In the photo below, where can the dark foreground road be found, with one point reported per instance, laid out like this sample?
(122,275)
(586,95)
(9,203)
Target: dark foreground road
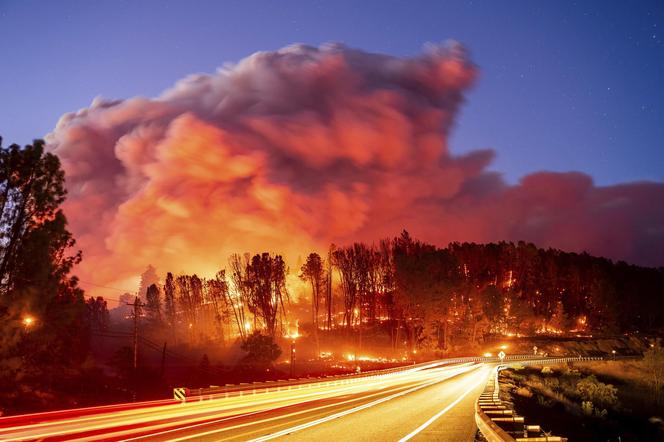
(432,402)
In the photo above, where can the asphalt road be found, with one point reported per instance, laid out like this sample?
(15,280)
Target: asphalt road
(433,402)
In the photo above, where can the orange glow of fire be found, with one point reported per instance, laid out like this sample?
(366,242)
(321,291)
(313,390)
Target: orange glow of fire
(293,331)
(547,329)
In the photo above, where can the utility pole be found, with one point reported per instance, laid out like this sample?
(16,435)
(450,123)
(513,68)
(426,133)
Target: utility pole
(137,311)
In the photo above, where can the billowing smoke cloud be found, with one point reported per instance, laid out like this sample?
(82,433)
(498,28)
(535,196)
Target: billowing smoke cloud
(290,150)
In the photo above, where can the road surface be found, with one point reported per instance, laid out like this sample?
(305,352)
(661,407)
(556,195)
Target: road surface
(428,402)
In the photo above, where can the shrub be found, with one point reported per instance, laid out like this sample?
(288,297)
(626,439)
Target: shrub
(571,372)
(517,377)
(523,391)
(544,402)
(261,351)
(552,383)
(590,389)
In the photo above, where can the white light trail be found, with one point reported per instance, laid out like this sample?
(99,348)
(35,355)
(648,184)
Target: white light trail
(431,420)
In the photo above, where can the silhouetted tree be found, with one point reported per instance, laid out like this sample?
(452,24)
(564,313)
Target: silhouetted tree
(266,281)
(35,281)
(153,305)
(97,314)
(217,290)
(148,277)
(169,301)
(261,350)
(239,298)
(344,259)
(329,295)
(313,272)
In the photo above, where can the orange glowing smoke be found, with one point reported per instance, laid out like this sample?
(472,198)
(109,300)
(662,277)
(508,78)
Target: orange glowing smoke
(288,151)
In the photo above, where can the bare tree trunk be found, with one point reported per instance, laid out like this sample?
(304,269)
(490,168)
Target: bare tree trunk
(360,325)
(314,314)
(329,290)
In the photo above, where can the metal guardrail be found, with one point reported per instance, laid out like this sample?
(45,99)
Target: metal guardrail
(241,389)
(491,415)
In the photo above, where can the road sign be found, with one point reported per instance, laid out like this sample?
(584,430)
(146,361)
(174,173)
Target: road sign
(180,394)
(501,355)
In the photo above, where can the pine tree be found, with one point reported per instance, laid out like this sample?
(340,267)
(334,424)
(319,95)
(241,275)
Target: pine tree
(42,311)
(313,272)
(148,277)
(153,306)
(169,301)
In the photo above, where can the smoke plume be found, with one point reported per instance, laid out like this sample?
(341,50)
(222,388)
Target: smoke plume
(291,150)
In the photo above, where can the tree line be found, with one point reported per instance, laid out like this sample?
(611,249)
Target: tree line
(194,309)
(420,295)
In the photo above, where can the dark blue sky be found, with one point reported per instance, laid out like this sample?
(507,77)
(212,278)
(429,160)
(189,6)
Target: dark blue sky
(563,85)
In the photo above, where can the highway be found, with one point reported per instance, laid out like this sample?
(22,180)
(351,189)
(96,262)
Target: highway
(425,402)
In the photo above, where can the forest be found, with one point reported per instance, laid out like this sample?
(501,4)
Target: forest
(420,296)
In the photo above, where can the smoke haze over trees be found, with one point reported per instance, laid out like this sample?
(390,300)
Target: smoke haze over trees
(302,147)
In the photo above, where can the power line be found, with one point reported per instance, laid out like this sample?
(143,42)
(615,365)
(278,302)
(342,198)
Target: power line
(105,286)
(149,343)
(216,371)
(109,299)
(154,346)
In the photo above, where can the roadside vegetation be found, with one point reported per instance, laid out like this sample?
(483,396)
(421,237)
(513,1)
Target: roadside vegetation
(607,401)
